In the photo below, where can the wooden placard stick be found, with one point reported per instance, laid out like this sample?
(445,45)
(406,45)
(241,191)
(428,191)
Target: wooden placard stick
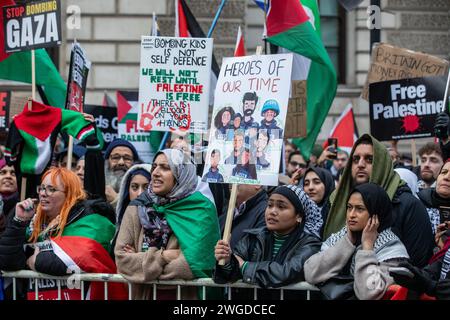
(413,152)
(232,203)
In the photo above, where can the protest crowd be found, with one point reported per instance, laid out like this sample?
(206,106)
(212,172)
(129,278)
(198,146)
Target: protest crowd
(248,203)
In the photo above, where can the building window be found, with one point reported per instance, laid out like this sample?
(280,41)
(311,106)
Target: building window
(332,25)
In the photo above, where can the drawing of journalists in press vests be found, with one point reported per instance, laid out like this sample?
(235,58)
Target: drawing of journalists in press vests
(249,116)
(213,174)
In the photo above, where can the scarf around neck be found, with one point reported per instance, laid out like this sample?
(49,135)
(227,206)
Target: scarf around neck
(156,228)
(387,246)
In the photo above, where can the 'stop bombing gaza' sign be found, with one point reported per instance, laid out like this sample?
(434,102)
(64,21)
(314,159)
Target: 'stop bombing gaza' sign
(32,25)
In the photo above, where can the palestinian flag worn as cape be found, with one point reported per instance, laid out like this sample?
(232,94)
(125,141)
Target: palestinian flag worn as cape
(17,67)
(194,222)
(83,249)
(289,27)
(32,136)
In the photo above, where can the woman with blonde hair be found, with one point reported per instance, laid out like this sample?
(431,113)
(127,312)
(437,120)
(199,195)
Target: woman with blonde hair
(62,233)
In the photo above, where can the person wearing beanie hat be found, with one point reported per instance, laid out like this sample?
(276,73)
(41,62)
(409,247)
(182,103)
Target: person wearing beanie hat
(269,112)
(273,256)
(121,143)
(120,156)
(78,151)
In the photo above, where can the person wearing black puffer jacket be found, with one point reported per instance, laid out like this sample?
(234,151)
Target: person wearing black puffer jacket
(273,256)
(62,233)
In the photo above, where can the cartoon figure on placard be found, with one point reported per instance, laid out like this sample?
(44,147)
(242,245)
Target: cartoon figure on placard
(245,168)
(269,112)
(249,102)
(237,121)
(238,144)
(261,146)
(213,175)
(251,135)
(222,122)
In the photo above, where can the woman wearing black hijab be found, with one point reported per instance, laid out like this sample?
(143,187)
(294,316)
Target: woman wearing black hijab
(318,183)
(364,249)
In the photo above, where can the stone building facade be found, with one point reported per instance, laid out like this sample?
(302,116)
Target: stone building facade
(110,31)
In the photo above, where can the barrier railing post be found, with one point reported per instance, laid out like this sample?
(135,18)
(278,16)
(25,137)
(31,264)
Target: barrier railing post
(58,282)
(178,292)
(36,289)
(106,291)
(129,291)
(14,289)
(82,290)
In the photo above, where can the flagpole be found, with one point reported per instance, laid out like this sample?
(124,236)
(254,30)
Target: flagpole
(445,101)
(33,77)
(413,151)
(70,146)
(23,187)
(211,29)
(216,18)
(375,33)
(265,26)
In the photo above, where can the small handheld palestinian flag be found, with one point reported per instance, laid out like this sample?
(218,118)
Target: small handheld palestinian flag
(32,136)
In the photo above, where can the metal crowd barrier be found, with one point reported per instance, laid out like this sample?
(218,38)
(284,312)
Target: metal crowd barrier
(110,278)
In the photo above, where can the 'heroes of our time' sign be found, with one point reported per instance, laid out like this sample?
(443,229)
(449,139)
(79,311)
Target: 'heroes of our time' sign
(32,25)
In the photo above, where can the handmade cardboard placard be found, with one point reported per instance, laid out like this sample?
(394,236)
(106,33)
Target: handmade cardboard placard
(394,63)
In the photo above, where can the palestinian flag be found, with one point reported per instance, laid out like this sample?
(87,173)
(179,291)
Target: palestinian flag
(239,49)
(17,67)
(32,136)
(127,111)
(289,27)
(83,249)
(344,130)
(195,224)
(187,26)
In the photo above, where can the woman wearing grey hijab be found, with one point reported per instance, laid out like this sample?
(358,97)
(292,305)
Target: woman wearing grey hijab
(169,231)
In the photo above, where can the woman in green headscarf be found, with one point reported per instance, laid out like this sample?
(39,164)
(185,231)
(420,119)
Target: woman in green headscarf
(169,232)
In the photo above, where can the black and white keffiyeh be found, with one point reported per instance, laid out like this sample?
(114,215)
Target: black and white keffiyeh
(445,268)
(313,217)
(435,218)
(387,246)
